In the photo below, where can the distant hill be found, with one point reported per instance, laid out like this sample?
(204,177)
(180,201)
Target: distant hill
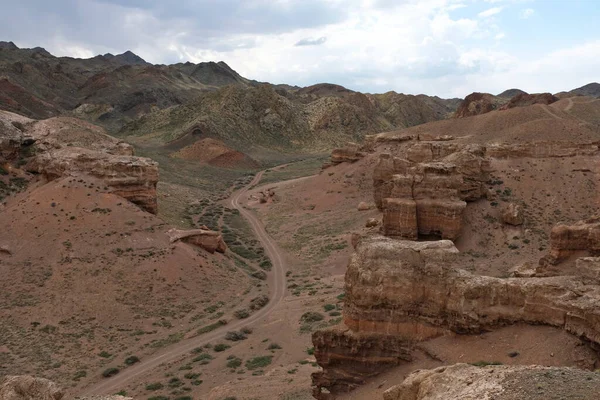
(510,93)
(124,92)
(591,89)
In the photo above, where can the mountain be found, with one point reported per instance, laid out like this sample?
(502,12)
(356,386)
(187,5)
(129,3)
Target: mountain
(509,93)
(591,89)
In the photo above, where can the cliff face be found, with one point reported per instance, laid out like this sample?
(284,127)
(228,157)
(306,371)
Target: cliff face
(402,292)
(426,192)
(133,178)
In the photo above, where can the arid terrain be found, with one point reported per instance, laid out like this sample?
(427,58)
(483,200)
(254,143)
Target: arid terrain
(181,232)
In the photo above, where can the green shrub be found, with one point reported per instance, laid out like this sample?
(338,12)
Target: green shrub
(131,360)
(110,372)
(221,347)
(241,313)
(175,382)
(273,346)
(234,362)
(258,362)
(191,375)
(158,398)
(329,307)
(235,336)
(311,316)
(310,351)
(154,386)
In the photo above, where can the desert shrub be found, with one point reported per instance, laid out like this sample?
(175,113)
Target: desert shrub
(154,386)
(234,362)
(175,382)
(110,372)
(131,360)
(235,336)
(328,307)
(259,302)
(191,375)
(258,362)
(274,346)
(158,398)
(486,363)
(247,330)
(311,316)
(241,313)
(204,357)
(221,347)
(310,351)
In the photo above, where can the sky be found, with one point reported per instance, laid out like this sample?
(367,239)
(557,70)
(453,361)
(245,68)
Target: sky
(448,48)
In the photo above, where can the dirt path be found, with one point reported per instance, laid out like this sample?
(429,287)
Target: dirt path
(570,105)
(277,287)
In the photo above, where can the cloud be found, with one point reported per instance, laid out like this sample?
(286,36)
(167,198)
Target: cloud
(311,42)
(490,12)
(441,47)
(526,13)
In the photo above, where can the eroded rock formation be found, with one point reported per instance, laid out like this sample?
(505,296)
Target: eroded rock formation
(525,99)
(133,178)
(210,241)
(498,382)
(29,388)
(566,240)
(478,103)
(426,192)
(349,153)
(401,292)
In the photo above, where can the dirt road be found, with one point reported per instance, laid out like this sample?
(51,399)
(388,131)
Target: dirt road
(277,287)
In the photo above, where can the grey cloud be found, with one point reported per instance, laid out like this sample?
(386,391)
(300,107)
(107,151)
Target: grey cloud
(311,42)
(118,25)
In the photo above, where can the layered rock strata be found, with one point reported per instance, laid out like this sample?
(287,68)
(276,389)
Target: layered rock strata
(567,240)
(402,292)
(349,153)
(426,192)
(133,178)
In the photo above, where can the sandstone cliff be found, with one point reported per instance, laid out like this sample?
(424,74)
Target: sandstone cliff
(402,292)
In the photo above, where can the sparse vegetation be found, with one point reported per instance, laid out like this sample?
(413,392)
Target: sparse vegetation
(221,347)
(110,372)
(258,362)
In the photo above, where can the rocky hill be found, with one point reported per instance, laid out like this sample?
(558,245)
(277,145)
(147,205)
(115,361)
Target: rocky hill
(108,89)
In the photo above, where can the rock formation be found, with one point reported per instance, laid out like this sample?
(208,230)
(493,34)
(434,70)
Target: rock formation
(425,193)
(513,214)
(525,99)
(133,178)
(401,292)
(566,240)
(29,388)
(478,103)
(349,153)
(210,241)
(498,382)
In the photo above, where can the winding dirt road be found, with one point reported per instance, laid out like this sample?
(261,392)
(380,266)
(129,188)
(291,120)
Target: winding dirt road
(277,286)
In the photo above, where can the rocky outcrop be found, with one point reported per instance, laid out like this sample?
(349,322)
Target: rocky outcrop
(29,388)
(426,193)
(525,99)
(478,103)
(498,382)
(513,214)
(210,241)
(349,153)
(566,240)
(542,149)
(133,178)
(403,292)
(12,137)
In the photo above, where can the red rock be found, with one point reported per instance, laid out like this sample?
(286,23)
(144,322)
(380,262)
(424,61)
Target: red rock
(210,241)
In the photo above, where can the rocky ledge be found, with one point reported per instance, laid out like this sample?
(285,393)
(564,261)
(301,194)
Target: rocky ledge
(26,387)
(401,292)
(210,241)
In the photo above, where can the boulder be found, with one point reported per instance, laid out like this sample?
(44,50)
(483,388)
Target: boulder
(513,214)
(372,222)
(210,241)
(363,206)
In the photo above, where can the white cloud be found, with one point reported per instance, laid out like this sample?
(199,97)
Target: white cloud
(526,13)
(490,12)
(499,36)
